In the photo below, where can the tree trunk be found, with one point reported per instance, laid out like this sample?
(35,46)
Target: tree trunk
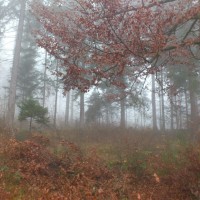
(163,102)
(72,108)
(144,116)
(180,110)
(141,117)
(172,113)
(15,67)
(194,115)
(56,99)
(126,116)
(176,112)
(67,108)
(186,109)
(154,104)
(122,111)
(44,86)
(107,115)
(82,110)
(160,109)
(30,125)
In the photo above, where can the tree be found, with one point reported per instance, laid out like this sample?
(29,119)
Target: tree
(100,108)
(34,111)
(117,35)
(95,108)
(44,79)
(82,110)
(67,106)
(28,80)
(15,67)
(146,31)
(153,99)
(56,98)
(7,12)
(186,78)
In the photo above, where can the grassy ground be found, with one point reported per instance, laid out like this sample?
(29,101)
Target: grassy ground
(99,164)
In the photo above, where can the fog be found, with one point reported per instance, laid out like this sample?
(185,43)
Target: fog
(80,86)
(99,99)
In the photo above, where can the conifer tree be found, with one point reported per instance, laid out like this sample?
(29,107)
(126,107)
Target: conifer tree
(34,111)
(28,76)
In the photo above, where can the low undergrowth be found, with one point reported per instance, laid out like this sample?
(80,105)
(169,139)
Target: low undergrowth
(129,166)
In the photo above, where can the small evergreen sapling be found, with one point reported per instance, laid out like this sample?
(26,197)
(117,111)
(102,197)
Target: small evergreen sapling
(31,109)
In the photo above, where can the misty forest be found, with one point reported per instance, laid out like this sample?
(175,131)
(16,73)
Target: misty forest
(100,100)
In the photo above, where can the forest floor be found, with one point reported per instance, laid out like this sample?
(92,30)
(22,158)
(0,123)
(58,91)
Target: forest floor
(99,164)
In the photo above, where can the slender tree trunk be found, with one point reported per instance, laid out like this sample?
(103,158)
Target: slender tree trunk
(126,118)
(107,115)
(30,125)
(180,110)
(45,75)
(141,117)
(72,108)
(56,99)
(134,114)
(172,112)
(154,104)
(193,107)
(176,112)
(163,102)
(186,109)
(110,115)
(122,111)
(67,108)
(15,67)
(144,116)
(82,110)
(160,109)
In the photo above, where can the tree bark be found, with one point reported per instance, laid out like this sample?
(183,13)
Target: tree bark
(172,113)
(186,109)
(82,110)
(72,108)
(107,115)
(180,111)
(194,115)
(155,128)
(176,112)
(160,109)
(123,113)
(45,75)
(15,67)
(67,108)
(56,99)
(30,125)
(163,102)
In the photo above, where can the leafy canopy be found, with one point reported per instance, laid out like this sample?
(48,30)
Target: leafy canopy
(102,40)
